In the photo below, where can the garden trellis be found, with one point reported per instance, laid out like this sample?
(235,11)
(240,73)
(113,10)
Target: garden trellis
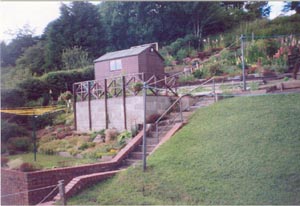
(34,112)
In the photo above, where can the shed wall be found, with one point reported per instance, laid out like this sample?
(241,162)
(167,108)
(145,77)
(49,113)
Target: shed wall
(129,65)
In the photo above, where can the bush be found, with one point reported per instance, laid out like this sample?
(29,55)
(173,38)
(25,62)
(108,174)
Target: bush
(186,78)
(9,130)
(110,134)
(21,144)
(61,81)
(28,167)
(33,88)
(74,58)
(138,86)
(12,98)
(15,164)
(198,74)
(4,161)
(181,54)
(86,145)
(123,136)
(94,134)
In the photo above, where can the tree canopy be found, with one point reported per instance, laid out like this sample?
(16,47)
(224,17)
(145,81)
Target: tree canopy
(109,26)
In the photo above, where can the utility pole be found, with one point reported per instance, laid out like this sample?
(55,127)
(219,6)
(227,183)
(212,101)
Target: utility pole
(243,61)
(144,128)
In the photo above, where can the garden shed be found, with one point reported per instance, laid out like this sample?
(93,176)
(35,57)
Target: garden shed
(138,59)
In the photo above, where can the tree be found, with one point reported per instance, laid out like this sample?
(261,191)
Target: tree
(12,51)
(75,58)
(290,6)
(33,59)
(203,15)
(257,9)
(78,25)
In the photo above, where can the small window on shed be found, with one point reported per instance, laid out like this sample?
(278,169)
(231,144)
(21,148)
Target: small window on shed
(115,65)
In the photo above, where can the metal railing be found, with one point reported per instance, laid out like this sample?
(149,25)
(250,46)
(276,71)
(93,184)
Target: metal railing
(178,101)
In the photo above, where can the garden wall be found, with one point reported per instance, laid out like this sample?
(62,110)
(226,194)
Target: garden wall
(15,181)
(119,113)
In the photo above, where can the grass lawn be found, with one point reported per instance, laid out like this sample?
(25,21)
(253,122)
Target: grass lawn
(243,150)
(50,161)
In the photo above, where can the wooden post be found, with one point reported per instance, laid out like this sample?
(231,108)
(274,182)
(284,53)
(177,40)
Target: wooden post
(89,105)
(124,102)
(105,103)
(74,106)
(61,188)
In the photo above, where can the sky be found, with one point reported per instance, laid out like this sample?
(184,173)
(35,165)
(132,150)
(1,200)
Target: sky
(37,14)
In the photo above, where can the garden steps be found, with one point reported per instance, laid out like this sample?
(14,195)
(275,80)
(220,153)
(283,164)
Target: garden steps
(166,130)
(80,182)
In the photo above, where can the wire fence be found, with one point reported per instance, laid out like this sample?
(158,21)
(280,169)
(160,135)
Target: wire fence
(59,187)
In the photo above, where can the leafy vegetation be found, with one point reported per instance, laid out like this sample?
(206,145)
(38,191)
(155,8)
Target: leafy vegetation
(237,151)
(47,161)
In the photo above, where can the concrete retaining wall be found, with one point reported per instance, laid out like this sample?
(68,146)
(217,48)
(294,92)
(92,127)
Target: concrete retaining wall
(115,109)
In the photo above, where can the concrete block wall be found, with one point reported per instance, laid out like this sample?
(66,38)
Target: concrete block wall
(134,112)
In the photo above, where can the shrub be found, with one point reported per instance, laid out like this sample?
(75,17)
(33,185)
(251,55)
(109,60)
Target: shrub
(46,139)
(28,167)
(33,88)
(198,74)
(181,54)
(61,81)
(74,58)
(15,164)
(9,130)
(186,78)
(254,86)
(138,86)
(12,98)
(4,161)
(110,134)
(19,144)
(86,145)
(94,134)
(123,136)
(53,147)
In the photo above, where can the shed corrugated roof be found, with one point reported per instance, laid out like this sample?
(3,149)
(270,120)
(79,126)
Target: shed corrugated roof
(123,53)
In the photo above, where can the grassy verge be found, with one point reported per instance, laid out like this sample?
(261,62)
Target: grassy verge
(238,151)
(50,161)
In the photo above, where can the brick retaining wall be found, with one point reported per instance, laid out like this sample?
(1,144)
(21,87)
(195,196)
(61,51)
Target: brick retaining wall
(16,181)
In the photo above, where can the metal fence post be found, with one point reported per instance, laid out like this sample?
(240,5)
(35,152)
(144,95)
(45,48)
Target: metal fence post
(61,188)
(243,62)
(144,135)
(214,89)
(180,108)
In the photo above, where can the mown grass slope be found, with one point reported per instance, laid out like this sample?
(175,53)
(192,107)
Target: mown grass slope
(238,151)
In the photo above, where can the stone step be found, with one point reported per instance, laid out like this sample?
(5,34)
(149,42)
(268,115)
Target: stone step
(128,162)
(152,141)
(137,155)
(149,148)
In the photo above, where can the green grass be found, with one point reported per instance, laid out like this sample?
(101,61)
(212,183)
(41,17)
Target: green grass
(50,161)
(238,151)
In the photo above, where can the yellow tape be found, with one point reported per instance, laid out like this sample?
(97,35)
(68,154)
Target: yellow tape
(32,110)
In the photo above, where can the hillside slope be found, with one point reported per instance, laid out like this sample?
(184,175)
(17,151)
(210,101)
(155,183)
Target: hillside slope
(238,151)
